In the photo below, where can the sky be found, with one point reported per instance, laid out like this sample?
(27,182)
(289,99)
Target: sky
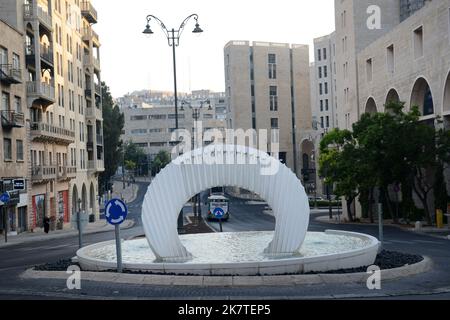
(132,61)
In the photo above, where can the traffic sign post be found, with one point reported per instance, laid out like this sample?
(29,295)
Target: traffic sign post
(219,214)
(116,212)
(4,199)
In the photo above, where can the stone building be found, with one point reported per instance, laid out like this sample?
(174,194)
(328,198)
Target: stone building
(63,102)
(13,131)
(268,87)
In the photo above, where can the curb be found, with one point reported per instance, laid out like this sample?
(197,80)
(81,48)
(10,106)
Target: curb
(234,281)
(70,233)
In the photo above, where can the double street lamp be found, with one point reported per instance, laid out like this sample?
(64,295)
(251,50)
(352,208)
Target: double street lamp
(196,113)
(173,38)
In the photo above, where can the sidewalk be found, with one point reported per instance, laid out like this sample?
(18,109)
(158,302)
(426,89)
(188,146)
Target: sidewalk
(443,233)
(91,228)
(128,194)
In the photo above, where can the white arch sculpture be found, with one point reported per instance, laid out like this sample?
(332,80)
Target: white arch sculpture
(204,169)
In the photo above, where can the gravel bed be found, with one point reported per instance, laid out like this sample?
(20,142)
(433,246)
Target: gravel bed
(385,260)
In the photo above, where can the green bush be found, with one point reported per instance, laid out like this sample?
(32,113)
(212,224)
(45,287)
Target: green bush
(325,203)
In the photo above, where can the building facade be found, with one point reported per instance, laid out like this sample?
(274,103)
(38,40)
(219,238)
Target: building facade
(151,126)
(268,87)
(407,60)
(13,131)
(63,101)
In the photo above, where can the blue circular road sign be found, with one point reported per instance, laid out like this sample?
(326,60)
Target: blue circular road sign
(5,197)
(219,213)
(116,212)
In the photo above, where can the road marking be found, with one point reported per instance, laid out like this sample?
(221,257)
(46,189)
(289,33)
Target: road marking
(401,242)
(428,242)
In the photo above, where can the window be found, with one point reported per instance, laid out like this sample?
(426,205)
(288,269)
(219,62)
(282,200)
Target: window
(328,121)
(273,98)
(19,150)
(138,118)
(274,123)
(272,66)
(320,88)
(16,62)
(390,59)
(7,149)
(322,124)
(326,87)
(325,71)
(324,53)
(321,105)
(320,72)
(319,54)
(18,104)
(326,105)
(3,56)
(5,101)
(369,70)
(139,131)
(418,42)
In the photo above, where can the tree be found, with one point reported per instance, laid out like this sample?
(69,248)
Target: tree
(161,160)
(112,129)
(339,157)
(136,155)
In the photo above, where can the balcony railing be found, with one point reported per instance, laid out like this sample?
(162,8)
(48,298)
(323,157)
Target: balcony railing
(88,11)
(47,54)
(9,74)
(91,61)
(12,119)
(96,165)
(33,11)
(43,173)
(98,89)
(50,133)
(89,34)
(41,90)
(67,173)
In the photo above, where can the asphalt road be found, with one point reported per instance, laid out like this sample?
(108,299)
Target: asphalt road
(16,259)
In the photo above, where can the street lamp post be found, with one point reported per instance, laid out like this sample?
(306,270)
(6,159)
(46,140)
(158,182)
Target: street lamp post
(80,233)
(173,38)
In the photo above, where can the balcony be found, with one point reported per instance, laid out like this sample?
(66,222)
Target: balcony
(32,12)
(98,90)
(11,119)
(89,34)
(90,61)
(94,114)
(41,91)
(46,57)
(88,11)
(96,166)
(43,132)
(10,75)
(66,173)
(43,173)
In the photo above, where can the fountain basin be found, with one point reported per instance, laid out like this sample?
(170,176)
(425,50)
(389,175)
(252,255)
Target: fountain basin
(239,254)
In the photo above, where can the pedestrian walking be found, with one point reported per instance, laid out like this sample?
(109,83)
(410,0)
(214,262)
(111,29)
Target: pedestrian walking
(46,225)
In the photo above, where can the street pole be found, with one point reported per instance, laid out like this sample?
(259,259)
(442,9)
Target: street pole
(80,234)
(380,226)
(175,86)
(5,222)
(330,208)
(118,249)
(123,169)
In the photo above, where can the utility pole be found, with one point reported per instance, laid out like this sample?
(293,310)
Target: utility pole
(80,233)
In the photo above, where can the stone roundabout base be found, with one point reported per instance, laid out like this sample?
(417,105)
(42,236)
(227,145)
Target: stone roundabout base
(234,281)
